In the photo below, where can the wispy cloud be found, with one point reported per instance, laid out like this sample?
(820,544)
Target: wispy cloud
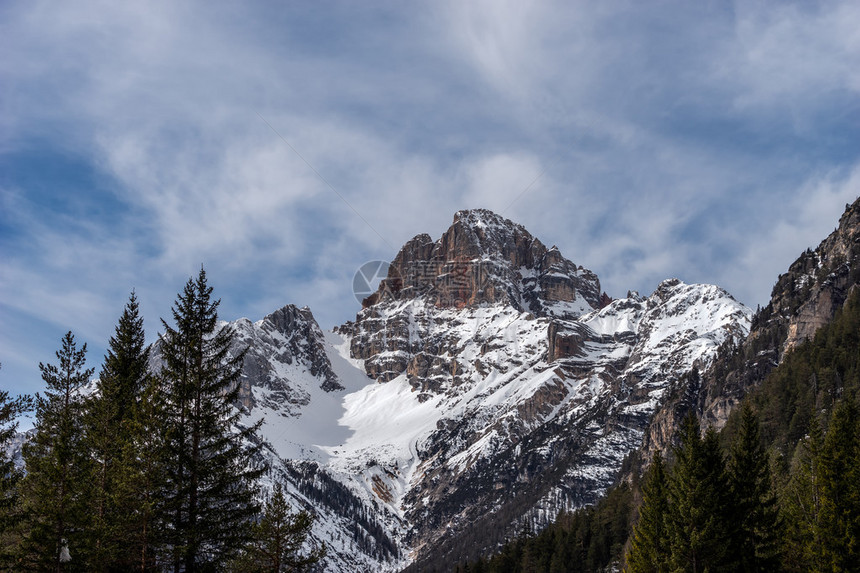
(707,141)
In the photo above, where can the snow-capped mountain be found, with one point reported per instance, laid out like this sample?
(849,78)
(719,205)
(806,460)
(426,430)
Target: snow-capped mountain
(487,382)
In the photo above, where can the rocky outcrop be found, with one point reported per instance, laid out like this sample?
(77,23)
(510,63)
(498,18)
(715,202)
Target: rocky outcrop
(482,259)
(804,299)
(288,337)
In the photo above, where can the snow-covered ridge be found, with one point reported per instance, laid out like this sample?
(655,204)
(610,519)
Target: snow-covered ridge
(491,402)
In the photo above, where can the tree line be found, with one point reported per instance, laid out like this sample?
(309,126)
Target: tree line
(148,471)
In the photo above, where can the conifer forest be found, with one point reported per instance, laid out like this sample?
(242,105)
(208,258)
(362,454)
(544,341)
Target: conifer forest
(145,471)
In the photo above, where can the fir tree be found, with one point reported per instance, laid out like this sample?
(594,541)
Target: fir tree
(55,488)
(113,443)
(650,549)
(698,524)
(141,483)
(10,476)
(210,470)
(801,502)
(840,490)
(278,539)
(757,525)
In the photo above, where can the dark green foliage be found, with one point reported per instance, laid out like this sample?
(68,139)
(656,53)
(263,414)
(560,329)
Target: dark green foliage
(757,528)
(811,379)
(840,490)
(140,487)
(10,476)
(211,475)
(650,549)
(277,540)
(796,402)
(801,505)
(114,435)
(588,539)
(699,523)
(56,488)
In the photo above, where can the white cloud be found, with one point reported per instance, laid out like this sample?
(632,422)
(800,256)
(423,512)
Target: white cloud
(794,56)
(649,130)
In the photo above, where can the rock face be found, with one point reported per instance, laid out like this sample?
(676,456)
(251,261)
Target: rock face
(482,259)
(804,299)
(290,336)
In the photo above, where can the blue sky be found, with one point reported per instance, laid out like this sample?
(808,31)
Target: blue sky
(710,141)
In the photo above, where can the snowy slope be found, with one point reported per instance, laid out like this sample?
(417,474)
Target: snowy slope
(420,442)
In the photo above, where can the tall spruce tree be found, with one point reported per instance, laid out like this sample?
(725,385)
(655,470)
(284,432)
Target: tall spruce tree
(113,443)
(142,483)
(278,540)
(650,548)
(698,494)
(801,505)
(212,478)
(56,487)
(840,489)
(757,526)
(10,476)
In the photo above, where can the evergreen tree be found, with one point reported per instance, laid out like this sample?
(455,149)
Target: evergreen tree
(801,503)
(650,549)
(10,476)
(55,488)
(278,539)
(698,523)
(113,445)
(840,490)
(757,525)
(142,484)
(210,470)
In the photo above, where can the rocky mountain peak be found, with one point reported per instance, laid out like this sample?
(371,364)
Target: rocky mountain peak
(484,258)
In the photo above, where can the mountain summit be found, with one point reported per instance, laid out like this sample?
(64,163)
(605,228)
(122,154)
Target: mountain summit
(484,258)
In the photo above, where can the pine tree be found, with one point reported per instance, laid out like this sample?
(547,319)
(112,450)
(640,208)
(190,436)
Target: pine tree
(698,524)
(141,484)
(113,442)
(210,470)
(840,490)
(650,549)
(757,527)
(55,488)
(801,503)
(278,539)
(10,476)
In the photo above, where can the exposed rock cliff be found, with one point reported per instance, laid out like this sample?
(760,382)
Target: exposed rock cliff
(804,299)
(482,259)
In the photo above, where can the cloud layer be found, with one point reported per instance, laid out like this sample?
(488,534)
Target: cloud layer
(707,141)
